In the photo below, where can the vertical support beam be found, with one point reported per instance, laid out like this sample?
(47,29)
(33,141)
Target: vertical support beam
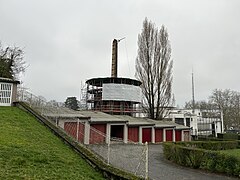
(153,135)
(125,133)
(108,133)
(140,134)
(13,96)
(164,135)
(61,123)
(174,134)
(182,135)
(56,121)
(222,127)
(86,132)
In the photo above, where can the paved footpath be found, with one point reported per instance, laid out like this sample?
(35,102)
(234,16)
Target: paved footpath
(162,169)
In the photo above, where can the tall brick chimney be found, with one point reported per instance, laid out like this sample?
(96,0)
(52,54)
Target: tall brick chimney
(114,57)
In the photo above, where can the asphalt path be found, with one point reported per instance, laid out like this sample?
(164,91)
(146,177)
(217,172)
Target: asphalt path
(162,169)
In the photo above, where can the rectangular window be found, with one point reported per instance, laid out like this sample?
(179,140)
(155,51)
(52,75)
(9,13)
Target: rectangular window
(188,122)
(5,94)
(179,121)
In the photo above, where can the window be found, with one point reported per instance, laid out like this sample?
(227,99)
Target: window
(179,121)
(188,122)
(5,94)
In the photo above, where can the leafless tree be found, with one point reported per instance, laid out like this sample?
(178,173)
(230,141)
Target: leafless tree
(154,69)
(11,62)
(203,105)
(229,102)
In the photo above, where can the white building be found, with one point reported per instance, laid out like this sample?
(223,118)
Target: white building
(201,122)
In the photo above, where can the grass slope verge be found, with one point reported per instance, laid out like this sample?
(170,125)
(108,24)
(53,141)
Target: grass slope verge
(28,150)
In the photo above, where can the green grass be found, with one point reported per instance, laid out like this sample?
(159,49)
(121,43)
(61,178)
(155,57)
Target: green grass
(28,150)
(233,152)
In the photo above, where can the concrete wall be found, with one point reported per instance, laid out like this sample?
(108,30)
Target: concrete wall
(14,93)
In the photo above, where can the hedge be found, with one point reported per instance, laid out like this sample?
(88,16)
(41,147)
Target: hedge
(211,145)
(214,161)
(231,136)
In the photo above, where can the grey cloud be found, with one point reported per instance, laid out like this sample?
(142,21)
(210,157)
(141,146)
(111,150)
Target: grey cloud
(67,42)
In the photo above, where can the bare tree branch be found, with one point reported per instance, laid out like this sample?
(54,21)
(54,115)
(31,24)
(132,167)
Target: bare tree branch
(12,62)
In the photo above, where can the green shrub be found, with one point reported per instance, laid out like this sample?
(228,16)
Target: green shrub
(211,145)
(225,136)
(195,157)
(206,138)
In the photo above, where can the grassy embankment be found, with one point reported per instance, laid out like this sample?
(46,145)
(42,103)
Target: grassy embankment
(28,150)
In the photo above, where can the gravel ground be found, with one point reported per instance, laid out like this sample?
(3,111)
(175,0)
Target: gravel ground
(131,157)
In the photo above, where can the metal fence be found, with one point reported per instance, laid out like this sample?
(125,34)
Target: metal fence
(131,157)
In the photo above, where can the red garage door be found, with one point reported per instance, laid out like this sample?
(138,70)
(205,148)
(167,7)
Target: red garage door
(97,133)
(133,134)
(169,135)
(71,129)
(146,135)
(158,135)
(178,135)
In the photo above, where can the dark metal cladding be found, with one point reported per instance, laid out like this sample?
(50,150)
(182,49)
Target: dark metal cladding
(99,81)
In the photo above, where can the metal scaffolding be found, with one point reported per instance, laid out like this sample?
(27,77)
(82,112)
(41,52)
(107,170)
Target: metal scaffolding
(119,102)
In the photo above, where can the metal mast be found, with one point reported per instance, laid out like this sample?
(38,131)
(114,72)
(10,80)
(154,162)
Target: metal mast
(193,97)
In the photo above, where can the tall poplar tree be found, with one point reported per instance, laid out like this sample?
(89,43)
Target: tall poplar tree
(154,69)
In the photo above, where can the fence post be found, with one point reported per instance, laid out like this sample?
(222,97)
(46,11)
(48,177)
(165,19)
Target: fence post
(108,152)
(41,104)
(22,95)
(31,100)
(146,172)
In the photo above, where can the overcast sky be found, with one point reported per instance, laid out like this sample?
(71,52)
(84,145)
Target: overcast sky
(67,42)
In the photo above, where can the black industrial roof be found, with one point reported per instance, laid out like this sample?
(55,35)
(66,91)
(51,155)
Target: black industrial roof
(99,81)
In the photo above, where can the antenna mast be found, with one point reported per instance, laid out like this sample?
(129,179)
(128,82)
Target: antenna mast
(193,97)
